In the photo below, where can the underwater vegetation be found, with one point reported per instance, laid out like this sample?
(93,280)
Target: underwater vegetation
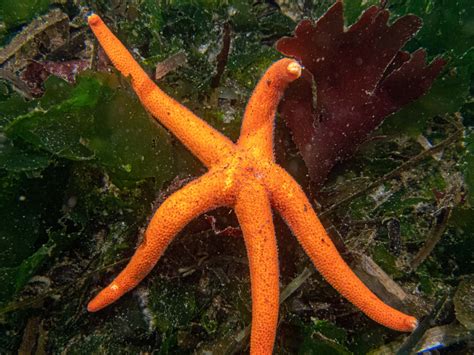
(83,166)
(361,77)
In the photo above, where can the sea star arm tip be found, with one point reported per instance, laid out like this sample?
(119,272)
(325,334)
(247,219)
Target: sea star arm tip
(294,69)
(107,296)
(412,324)
(92,18)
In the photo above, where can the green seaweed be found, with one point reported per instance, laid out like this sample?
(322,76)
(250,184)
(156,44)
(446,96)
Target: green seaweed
(171,306)
(98,119)
(13,13)
(448,93)
(468,165)
(323,337)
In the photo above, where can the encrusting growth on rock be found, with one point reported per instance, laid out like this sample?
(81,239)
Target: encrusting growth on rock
(244,176)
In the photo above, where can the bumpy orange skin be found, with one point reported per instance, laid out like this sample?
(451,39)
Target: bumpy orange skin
(243,176)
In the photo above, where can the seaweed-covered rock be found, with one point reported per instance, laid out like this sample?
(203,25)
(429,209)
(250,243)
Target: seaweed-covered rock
(464,302)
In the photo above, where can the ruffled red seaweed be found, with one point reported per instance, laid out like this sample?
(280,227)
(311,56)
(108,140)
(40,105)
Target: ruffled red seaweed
(361,77)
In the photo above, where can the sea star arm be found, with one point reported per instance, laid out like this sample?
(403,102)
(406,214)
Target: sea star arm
(291,202)
(255,217)
(201,139)
(257,126)
(200,195)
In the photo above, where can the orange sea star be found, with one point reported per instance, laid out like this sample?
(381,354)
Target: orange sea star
(244,176)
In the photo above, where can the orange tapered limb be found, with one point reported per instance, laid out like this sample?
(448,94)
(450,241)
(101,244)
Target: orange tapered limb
(256,133)
(255,216)
(178,119)
(199,196)
(291,202)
